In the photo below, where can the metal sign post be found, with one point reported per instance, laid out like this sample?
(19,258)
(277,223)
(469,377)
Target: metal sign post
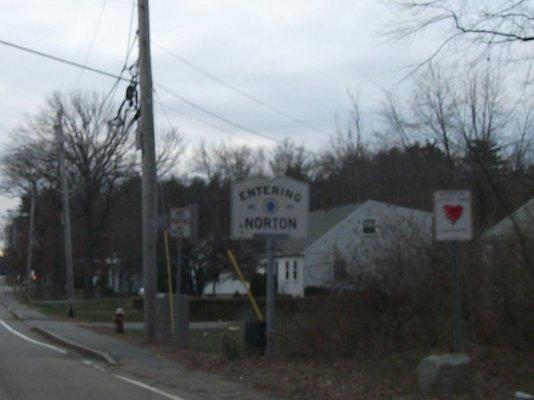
(452,223)
(270,301)
(457,305)
(270,209)
(183,225)
(178,266)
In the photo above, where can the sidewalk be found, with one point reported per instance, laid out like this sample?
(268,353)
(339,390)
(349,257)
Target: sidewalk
(194,326)
(136,360)
(72,331)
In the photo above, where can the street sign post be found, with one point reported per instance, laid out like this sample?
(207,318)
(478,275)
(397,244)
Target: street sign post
(183,225)
(453,223)
(271,209)
(183,222)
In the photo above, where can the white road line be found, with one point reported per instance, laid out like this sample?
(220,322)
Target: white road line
(94,365)
(29,339)
(149,388)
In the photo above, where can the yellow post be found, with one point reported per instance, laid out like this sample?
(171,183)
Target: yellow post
(169,279)
(233,261)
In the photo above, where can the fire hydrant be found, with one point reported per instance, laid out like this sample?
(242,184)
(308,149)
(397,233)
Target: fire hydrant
(119,320)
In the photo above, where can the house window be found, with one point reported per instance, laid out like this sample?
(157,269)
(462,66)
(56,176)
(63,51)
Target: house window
(287,270)
(295,271)
(369,226)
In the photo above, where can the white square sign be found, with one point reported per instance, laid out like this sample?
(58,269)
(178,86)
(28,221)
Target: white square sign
(182,222)
(452,215)
(270,207)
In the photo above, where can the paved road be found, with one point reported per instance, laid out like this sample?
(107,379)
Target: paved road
(31,369)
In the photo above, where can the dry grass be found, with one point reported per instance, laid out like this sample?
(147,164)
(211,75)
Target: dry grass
(499,373)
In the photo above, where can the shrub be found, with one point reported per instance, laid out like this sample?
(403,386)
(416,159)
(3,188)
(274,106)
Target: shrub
(137,303)
(311,291)
(231,348)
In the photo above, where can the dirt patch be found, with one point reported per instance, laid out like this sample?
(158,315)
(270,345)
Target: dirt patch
(499,373)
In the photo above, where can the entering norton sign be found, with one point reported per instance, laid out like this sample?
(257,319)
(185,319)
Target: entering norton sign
(452,213)
(270,207)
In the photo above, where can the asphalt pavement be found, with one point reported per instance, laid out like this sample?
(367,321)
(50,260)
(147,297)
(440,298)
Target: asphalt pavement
(32,368)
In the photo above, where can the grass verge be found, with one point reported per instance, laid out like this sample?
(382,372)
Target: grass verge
(499,372)
(94,310)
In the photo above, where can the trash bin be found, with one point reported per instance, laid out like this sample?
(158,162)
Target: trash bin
(255,335)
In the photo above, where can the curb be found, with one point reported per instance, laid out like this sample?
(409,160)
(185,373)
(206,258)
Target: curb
(80,348)
(15,314)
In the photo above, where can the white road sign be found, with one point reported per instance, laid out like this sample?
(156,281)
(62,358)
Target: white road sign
(183,222)
(452,215)
(270,207)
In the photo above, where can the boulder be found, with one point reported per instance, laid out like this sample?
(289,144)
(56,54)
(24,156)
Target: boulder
(445,374)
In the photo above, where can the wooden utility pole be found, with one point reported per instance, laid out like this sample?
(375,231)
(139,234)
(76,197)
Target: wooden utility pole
(146,128)
(65,216)
(30,247)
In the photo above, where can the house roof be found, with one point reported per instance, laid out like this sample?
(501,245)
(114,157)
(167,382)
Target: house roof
(524,218)
(320,221)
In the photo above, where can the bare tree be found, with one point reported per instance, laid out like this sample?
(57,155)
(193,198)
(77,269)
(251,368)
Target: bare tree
(229,163)
(494,27)
(290,160)
(471,119)
(20,170)
(100,154)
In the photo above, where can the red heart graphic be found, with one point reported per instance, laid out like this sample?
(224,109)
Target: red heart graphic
(453,213)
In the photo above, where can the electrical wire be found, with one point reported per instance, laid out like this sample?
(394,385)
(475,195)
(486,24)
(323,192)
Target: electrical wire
(121,78)
(92,43)
(111,92)
(215,115)
(61,60)
(239,91)
(130,30)
(200,120)
(164,88)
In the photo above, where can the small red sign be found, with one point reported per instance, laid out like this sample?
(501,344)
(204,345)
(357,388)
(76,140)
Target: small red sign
(453,212)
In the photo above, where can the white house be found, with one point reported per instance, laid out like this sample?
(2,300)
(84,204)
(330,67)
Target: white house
(510,237)
(227,285)
(521,219)
(343,241)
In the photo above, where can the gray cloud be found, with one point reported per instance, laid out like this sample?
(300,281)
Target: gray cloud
(300,56)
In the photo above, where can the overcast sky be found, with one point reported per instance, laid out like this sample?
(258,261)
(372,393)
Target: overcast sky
(300,56)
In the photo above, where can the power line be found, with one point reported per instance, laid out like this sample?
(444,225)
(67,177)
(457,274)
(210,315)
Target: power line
(130,29)
(215,115)
(92,43)
(239,91)
(121,78)
(195,118)
(124,68)
(61,60)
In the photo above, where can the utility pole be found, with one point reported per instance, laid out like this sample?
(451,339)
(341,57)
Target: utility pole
(149,174)
(178,267)
(270,349)
(65,216)
(30,247)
